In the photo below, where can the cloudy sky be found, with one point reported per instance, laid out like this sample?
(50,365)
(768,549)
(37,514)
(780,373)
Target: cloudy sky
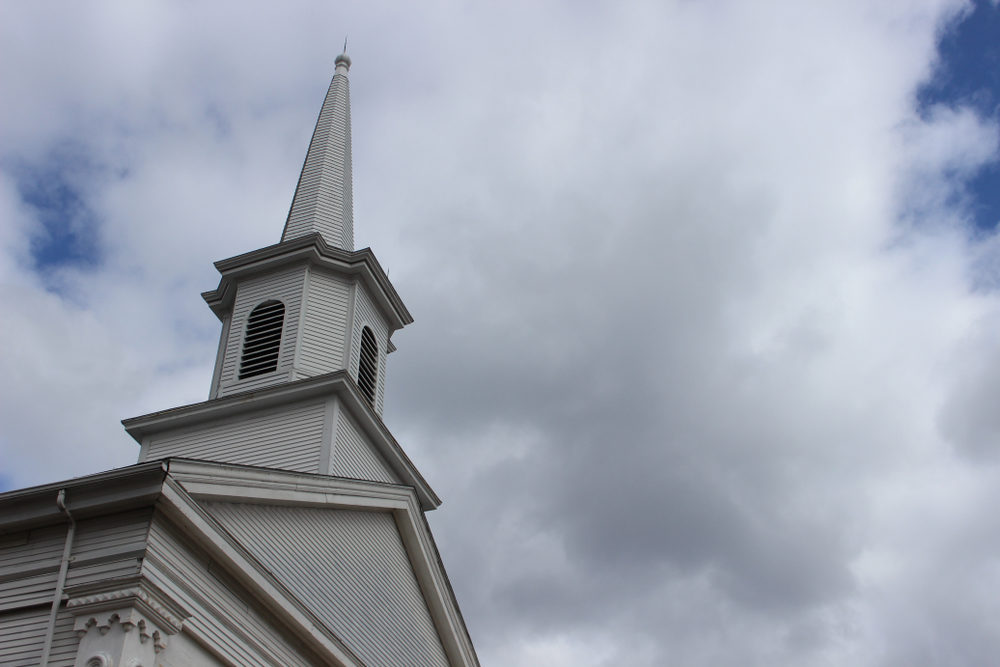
(706,360)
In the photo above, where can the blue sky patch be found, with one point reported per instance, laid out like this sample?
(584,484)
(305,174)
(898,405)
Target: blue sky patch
(55,191)
(968,74)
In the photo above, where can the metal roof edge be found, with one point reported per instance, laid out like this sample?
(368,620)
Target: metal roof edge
(132,486)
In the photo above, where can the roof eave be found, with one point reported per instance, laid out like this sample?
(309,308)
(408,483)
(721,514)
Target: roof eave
(315,249)
(338,382)
(133,486)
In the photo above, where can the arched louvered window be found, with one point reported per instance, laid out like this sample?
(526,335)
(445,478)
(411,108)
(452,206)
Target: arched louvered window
(368,364)
(263,339)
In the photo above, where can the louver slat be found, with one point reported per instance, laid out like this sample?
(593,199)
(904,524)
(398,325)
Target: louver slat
(263,339)
(368,364)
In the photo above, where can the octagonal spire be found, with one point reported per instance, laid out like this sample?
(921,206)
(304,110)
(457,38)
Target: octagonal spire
(323,200)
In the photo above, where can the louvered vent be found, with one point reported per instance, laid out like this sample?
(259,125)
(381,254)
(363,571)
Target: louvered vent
(263,339)
(368,364)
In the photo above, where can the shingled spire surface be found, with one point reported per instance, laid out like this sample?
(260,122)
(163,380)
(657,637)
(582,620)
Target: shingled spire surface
(323,199)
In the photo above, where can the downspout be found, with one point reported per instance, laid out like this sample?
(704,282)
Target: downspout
(61,581)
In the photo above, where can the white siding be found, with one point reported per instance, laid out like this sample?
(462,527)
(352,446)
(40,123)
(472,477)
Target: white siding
(109,547)
(29,563)
(324,332)
(183,651)
(351,569)
(222,615)
(22,635)
(355,457)
(103,548)
(289,438)
(285,286)
(365,313)
(323,201)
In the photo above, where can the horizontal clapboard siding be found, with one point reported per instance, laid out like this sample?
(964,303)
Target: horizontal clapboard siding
(221,616)
(351,569)
(355,457)
(29,563)
(109,547)
(22,635)
(366,314)
(103,548)
(325,328)
(289,438)
(285,286)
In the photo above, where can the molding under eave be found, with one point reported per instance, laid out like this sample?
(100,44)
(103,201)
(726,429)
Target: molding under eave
(314,249)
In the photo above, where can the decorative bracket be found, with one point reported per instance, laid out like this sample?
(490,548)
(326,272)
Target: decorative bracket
(123,627)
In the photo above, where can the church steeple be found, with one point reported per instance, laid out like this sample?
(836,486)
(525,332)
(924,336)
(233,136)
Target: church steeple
(311,304)
(323,200)
(286,477)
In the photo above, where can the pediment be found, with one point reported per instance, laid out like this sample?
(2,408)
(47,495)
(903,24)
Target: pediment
(348,567)
(358,555)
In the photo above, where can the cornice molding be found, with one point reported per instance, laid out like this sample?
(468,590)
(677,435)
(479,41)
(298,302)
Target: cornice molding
(109,596)
(313,249)
(121,488)
(129,618)
(338,383)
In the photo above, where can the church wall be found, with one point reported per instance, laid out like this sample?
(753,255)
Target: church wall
(321,347)
(222,615)
(103,548)
(29,563)
(285,286)
(354,456)
(365,313)
(289,438)
(22,636)
(351,569)
(184,651)
(108,547)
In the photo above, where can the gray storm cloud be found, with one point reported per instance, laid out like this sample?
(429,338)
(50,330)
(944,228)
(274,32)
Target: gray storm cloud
(703,350)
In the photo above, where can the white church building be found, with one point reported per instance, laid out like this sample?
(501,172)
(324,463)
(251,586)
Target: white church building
(277,523)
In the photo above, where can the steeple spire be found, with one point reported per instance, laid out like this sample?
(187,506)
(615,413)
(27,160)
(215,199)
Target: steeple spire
(323,200)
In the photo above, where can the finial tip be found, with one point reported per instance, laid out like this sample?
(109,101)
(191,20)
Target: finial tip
(343,58)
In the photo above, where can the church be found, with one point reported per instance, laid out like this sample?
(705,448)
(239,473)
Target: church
(279,522)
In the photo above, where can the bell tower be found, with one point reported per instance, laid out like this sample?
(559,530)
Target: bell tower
(278,522)
(311,304)
(307,326)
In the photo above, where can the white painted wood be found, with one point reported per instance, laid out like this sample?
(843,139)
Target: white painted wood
(355,457)
(289,438)
(108,547)
(236,606)
(185,651)
(23,632)
(324,330)
(331,412)
(323,200)
(219,356)
(351,569)
(241,407)
(284,285)
(222,616)
(366,314)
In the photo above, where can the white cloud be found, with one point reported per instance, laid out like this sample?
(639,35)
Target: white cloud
(703,356)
